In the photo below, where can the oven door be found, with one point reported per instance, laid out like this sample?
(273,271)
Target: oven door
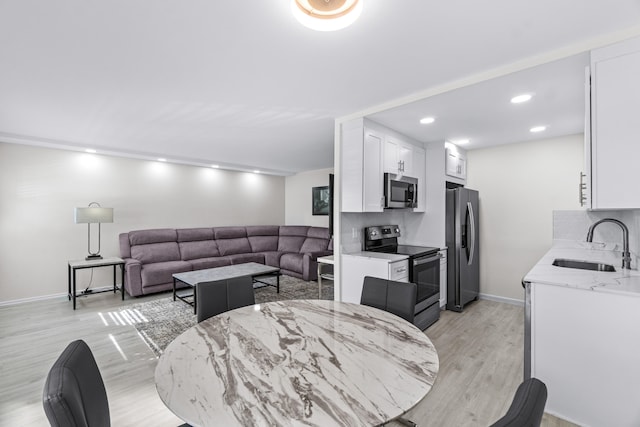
(425,273)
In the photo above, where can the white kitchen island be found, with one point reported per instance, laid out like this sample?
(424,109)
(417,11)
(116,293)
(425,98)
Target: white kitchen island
(585,336)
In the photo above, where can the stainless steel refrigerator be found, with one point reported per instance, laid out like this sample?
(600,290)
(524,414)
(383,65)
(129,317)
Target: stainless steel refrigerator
(463,268)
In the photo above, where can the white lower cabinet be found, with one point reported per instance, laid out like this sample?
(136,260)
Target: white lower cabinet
(443,277)
(356,266)
(585,347)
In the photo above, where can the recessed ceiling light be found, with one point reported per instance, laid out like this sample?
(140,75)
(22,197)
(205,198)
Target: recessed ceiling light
(537,129)
(520,98)
(461,141)
(427,120)
(162,160)
(90,150)
(326,15)
(256,171)
(215,166)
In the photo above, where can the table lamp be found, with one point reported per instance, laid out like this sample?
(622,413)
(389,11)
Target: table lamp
(92,214)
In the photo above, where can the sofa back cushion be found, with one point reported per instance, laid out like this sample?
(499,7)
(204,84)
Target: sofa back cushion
(292,237)
(311,244)
(263,238)
(145,237)
(156,252)
(194,234)
(198,249)
(317,240)
(232,240)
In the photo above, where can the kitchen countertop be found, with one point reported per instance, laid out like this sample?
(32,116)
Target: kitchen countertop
(379,255)
(621,281)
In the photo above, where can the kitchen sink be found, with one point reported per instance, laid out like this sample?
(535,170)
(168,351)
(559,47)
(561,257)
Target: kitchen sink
(583,265)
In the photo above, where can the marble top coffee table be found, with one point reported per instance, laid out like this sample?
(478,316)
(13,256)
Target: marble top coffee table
(297,362)
(192,278)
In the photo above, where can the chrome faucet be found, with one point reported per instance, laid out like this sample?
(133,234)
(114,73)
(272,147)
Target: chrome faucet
(626,255)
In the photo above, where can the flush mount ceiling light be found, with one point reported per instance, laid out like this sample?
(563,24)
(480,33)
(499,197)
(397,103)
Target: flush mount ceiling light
(427,120)
(326,15)
(520,98)
(537,129)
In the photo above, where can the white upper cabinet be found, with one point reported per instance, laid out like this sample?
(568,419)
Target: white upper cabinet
(456,163)
(362,188)
(615,109)
(419,171)
(398,156)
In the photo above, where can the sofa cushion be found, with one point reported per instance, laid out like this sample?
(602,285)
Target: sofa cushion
(194,234)
(263,230)
(202,263)
(318,232)
(290,243)
(229,232)
(272,258)
(291,262)
(234,246)
(199,249)
(145,237)
(161,272)
(263,243)
(293,230)
(242,258)
(156,252)
(311,244)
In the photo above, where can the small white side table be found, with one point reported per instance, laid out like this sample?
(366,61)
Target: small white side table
(323,261)
(103,262)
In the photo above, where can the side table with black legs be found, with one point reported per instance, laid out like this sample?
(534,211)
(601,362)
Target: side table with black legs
(82,264)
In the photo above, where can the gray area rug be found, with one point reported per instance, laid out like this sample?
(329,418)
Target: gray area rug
(165,319)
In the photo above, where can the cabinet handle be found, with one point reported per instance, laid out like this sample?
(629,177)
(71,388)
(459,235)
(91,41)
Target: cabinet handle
(582,198)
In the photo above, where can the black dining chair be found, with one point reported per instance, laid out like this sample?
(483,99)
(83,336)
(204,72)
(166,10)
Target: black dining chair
(74,393)
(213,298)
(395,297)
(527,407)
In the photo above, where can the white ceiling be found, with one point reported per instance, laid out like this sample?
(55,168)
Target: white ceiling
(241,83)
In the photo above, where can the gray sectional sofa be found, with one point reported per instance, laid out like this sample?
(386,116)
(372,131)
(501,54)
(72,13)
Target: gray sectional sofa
(152,256)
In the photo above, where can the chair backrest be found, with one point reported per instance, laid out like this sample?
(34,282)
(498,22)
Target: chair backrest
(395,297)
(527,406)
(213,298)
(74,393)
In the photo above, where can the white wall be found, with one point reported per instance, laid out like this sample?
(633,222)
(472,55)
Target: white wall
(298,198)
(39,189)
(520,186)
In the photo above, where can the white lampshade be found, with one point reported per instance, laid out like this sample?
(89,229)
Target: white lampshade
(93,215)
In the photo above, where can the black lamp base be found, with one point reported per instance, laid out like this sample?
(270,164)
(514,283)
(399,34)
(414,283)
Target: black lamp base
(93,257)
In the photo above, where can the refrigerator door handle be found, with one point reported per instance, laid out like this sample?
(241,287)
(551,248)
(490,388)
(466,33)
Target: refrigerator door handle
(472,224)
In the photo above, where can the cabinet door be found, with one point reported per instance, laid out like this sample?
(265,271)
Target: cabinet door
(615,145)
(419,172)
(391,160)
(405,159)
(372,180)
(399,271)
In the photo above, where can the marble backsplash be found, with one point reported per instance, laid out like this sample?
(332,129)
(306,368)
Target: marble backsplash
(573,225)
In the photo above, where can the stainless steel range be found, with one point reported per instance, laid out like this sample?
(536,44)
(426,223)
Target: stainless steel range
(424,269)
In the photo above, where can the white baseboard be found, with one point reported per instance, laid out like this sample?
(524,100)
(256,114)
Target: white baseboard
(31,299)
(506,300)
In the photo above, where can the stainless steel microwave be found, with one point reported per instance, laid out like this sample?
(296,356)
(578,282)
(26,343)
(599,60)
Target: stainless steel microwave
(400,192)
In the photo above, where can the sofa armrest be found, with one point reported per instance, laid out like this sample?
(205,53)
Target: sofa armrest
(133,276)
(310,265)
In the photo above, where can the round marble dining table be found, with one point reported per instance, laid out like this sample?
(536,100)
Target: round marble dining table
(297,362)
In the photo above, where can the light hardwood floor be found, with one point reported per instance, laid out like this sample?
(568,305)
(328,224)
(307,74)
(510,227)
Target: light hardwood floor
(480,354)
